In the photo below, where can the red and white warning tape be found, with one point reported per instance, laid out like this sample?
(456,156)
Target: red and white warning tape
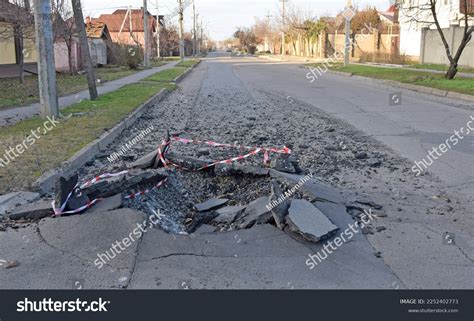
(162,150)
(59,212)
(100,177)
(134,195)
(284,150)
(231,160)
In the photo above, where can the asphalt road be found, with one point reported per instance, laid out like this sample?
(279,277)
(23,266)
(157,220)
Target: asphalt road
(342,129)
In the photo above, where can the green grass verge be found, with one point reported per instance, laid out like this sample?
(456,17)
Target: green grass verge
(188,63)
(171,58)
(91,120)
(440,67)
(459,84)
(15,94)
(167,75)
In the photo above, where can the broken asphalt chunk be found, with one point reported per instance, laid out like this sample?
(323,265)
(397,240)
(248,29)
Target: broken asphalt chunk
(308,221)
(238,169)
(131,181)
(211,204)
(62,188)
(256,213)
(228,214)
(190,163)
(32,211)
(108,204)
(76,201)
(145,162)
(279,211)
(283,163)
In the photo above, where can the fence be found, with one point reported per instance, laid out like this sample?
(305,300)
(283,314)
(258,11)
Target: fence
(432,49)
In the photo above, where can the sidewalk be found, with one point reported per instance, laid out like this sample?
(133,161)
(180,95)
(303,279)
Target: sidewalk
(10,116)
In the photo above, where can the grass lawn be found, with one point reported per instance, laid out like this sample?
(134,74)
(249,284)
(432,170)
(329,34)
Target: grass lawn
(14,94)
(167,75)
(69,136)
(171,58)
(459,84)
(188,63)
(440,67)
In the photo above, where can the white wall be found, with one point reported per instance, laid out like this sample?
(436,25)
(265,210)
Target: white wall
(410,32)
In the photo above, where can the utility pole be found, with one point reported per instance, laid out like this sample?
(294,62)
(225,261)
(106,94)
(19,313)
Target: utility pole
(202,27)
(85,53)
(194,29)
(268,16)
(45,47)
(158,29)
(181,31)
(197,34)
(348,14)
(283,28)
(146,38)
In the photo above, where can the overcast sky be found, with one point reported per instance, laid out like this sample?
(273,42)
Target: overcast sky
(222,17)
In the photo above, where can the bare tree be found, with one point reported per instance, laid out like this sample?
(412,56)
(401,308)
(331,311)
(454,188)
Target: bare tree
(169,39)
(247,39)
(85,53)
(18,14)
(426,13)
(64,27)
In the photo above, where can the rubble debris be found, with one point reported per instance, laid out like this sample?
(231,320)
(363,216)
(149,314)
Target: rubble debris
(238,169)
(255,213)
(199,219)
(203,152)
(32,211)
(319,190)
(10,264)
(281,210)
(145,162)
(361,155)
(188,162)
(228,214)
(283,163)
(211,204)
(308,221)
(374,162)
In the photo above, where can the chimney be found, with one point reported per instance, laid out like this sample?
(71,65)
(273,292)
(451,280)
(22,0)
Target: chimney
(88,19)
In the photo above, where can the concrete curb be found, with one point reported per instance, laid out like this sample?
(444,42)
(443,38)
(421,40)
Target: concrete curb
(185,73)
(45,183)
(340,73)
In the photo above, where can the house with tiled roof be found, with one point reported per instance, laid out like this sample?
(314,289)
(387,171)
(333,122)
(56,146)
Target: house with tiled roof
(389,17)
(126,26)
